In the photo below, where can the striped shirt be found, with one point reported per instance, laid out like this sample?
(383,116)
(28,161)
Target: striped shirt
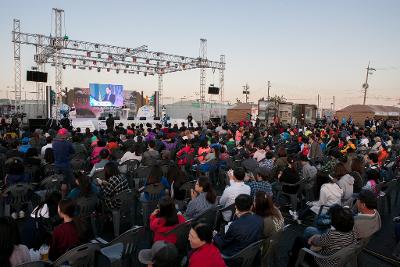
(331,242)
(197,206)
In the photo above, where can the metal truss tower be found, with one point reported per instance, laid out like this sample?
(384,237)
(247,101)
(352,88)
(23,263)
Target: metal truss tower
(160,94)
(221,82)
(58,45)
(203,64)
(16,37)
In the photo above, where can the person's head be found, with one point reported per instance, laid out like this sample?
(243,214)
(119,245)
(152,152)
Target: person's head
(373,157)
(366,201)
(262,174)
(84,184)
(31,152)
(203,185)
(341,218)
(239,173)
(357,165)
(264,206)
(304,160)
(269,155)
(168,211)
(66,209)
(155,175)
(110,170)
(49,155)
(340,170)
(161,254)
(243,203)
(101,143)
(152,144)
(373,174)
(200,234)
(104,153)
(108,91)
(49,139)
(9,237)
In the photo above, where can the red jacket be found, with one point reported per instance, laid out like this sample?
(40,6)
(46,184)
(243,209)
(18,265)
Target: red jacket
(183,154)
(65,237)
(157,226)
(207,255)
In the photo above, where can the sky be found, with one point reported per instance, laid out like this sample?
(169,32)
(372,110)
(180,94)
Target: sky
(304,47)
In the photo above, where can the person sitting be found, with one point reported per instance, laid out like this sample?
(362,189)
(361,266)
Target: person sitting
(164,219)
(134,152)
(338,237)
(84,188)
(243,231)
(151,156)
(12,252)
(265,208)
(203,197)
(372,177)
(260,184)
(104,154)
(155,179)
(78,146)
(15,173)
(95,156)
(204,252)
(259,155)
(357,171)
(344,180)
(237,187)
(69,234)
(367,221)
(113,184)
(289,176)
(161,254)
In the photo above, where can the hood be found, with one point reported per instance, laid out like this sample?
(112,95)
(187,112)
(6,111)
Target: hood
(334,189)
(348,179)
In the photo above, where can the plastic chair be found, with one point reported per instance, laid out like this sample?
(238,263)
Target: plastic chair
(385,195)
(122,250)
(182,232)
(117,154)
(129,167)
(246,256)
(87,210)
(346,257)
(147,209)
(127,209)
(18,195)
(209,216)
(294,198)
(270,249)
(81,256)
(220,221)
(52,182)
(35,264)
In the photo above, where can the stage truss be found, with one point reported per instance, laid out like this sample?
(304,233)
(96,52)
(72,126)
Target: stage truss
(61,52)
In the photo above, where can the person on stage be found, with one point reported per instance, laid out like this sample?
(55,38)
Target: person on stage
(110,97)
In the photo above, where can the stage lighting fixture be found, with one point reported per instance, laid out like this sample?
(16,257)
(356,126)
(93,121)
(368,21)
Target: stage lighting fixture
(90,68)
(133,59)
(117,71)
(94,62)
(64,67)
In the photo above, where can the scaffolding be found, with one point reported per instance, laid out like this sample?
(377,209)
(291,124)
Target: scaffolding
(61,52)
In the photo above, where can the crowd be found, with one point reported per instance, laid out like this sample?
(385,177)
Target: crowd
(329,173)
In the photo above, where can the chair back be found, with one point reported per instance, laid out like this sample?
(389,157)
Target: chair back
(48,169)
(154,191)
(87,205)
(52,182)
(125,201)
(182,232)
(19,193)
(270,248)
(142,172)
(209,216)
(148,207)
(99,173)
(247,255)
(81,256)
(35,264)
(129,240)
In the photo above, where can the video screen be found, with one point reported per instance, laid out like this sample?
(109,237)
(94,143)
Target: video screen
(106,95)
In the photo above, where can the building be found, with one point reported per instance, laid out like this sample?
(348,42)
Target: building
(181,109)
(360,112)
(239,112)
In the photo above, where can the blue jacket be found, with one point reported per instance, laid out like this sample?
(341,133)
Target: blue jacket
(63,151)
(242,232)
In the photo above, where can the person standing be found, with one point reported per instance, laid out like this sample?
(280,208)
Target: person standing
(110,122)
(190,119)
(63,151)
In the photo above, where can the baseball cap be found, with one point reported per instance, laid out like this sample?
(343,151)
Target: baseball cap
(161,252)
(62,131)
(368,197)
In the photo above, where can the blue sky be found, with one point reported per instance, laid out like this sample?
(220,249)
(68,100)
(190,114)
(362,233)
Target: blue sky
(303,47)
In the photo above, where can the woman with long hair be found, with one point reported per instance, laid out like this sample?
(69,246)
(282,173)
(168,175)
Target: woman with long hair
(204,252)
(12,253)
(155,178)
(357,171)
(69,234)
(344,180)
(84,188)
(265,208)
(203,198)
(113,184)
(164,219)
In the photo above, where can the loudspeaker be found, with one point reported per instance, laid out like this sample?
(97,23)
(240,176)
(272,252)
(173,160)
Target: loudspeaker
(142,118)
(36,76)
(116,118)
(102,118)
(156,118)
(212,90)
(37,124)
(131,118)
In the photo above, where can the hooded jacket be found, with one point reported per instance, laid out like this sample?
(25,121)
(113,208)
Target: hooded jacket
(329,195)
(346,183)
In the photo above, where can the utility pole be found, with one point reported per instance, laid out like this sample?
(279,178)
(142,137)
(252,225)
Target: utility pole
(365,85)
(318,108)
(269,86)
(246,91)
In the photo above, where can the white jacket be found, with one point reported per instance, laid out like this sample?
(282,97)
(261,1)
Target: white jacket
(329,195)
(346,183)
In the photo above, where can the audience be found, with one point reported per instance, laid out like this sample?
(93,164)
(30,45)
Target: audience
(203,197)
(161,254)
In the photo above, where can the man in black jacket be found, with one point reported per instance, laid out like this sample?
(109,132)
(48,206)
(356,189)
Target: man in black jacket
(243,231)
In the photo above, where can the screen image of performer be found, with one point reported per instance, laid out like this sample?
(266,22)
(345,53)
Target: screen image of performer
(109,96)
